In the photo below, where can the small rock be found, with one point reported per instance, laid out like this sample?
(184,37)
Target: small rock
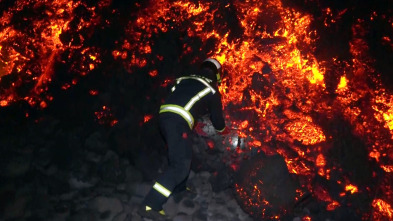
(121,217)
(93,157)
(108,207)
(138,189)
(121,187)
(76,183)
(18,166)
(110,170)
(133,175)
(217,217)
(16,209)
(84,215)
(200,215)
(182,217)
(57,186)
(171,207)
(95,142)
(187,206)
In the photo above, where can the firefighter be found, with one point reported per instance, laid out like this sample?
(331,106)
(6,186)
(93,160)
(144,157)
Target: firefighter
(192,97)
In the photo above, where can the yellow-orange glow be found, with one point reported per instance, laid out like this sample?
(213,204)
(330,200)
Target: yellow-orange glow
(244,124)
(332,206)
(353,189)
(305,132)
(387,168)
(3,103)
(383,207)
(317,76)
(257,143)
(388,117)
(343,83)
(221,59)
(320,161)
(375,155)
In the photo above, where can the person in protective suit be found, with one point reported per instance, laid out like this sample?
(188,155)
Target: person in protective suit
(191,98)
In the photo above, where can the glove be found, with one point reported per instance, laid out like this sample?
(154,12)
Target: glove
(199,129)
(225,131)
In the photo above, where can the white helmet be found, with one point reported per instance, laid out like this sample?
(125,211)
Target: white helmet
(216,66)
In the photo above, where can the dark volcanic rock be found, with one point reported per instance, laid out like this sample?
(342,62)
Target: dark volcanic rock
(269,176)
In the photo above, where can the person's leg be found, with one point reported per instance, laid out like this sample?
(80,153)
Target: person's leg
(179,154)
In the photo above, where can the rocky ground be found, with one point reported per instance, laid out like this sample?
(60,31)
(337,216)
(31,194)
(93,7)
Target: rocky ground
(54,173)
(58,170)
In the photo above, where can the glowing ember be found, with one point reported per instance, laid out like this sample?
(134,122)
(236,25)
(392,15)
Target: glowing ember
(305,132)
(332,206)
(383,207)
(105,117)
(351,188)
(34,39)
(320,162)
(147,118)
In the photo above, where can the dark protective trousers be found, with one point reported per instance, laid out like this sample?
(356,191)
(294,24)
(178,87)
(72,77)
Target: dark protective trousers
(176,133)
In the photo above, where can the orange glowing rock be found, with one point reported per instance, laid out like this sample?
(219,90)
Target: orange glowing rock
(375,155)
(153,73)
(351,188)
(332,206)
(113,123)
(116,53)
(305,132)
(383,207)
(321,172)
(210,144)
(43,104)
(93,92)
(244,124)
(320,161)
(92,57)
(3,103)
(387,168)
(343,83)
(146,118)
(257,143)
(389,120)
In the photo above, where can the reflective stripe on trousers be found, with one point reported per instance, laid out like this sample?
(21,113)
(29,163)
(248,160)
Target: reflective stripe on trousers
(161,189)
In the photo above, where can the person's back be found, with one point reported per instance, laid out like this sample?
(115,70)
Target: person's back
(184,91)
(191,97)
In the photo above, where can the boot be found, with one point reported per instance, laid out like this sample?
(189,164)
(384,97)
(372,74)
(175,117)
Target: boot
(147,212)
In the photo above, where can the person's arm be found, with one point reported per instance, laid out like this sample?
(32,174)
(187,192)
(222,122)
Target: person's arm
(216,114)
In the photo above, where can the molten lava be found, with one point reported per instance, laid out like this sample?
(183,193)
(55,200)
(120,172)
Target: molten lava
(277,93)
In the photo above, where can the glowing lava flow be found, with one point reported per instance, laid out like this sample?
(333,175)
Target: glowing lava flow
(268,72)
(274,82)
(33,36)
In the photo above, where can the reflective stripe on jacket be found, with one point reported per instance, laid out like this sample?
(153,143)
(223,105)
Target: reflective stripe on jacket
(184,111)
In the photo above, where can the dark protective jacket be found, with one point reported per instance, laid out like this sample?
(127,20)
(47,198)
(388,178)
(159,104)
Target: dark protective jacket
(194,96)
